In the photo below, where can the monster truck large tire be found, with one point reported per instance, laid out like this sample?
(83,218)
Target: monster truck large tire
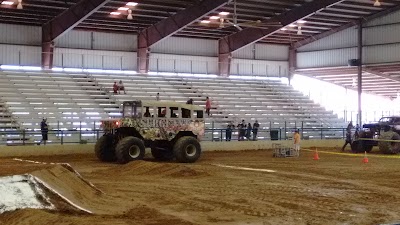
(389,147)
(162,155)
(129,149)
(361,146)
(104,148)
(187,150)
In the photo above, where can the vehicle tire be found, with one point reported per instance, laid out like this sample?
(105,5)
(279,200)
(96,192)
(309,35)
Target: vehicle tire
(361,146)
(389,147)
(162,155)
(104,148)
(187,150)
(129,149)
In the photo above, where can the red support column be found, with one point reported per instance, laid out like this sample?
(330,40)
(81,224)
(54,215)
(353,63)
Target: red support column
(47,55)
(224,58)
(143,54)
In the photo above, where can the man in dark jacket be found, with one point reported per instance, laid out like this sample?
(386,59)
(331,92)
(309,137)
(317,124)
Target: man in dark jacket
(228,133)
(348,135)
(256,125)
(44,129)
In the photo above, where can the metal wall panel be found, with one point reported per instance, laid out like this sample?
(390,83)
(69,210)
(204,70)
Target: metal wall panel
(115,42)
(382,53)
(390,18)
(94,59)
(382,34)
(75,39)
(344,39)
(183,64)
(20,55)
(246,67)
(272,52)
(336,57)
(247,52)
(20,34)
(186,46)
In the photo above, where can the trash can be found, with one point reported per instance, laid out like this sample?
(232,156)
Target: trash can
(274,135)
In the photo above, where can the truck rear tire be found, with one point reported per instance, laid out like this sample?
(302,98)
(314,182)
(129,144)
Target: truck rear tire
(104,148)
(162,155)
(129,149)
(361,146)
(387,147)
(187,150)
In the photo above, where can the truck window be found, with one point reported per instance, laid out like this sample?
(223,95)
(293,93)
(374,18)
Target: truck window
(132,110)
(186,113)
(174,112)
(199,114)
(148,111)
(162,111)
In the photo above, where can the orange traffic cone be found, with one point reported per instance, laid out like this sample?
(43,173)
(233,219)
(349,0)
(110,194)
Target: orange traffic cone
(316,156)
(365,159)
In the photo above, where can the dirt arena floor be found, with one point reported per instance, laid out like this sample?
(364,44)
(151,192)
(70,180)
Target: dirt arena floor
(229,188)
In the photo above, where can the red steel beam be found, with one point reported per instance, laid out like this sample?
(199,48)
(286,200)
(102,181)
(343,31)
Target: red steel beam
(171,26)
(248,36)
(344,27)
(63,23)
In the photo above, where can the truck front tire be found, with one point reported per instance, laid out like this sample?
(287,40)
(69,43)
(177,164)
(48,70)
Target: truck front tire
(387,147)
(129,149)
(187,150)
(104,148)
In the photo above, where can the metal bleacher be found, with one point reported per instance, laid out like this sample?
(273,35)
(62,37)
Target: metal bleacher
(78,101)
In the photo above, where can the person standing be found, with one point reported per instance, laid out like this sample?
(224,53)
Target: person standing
(44,129)
(256,125)
(158,97)
(208,106)
(248,131)
(241,130)
(348,135)
(296,138)
(228,134)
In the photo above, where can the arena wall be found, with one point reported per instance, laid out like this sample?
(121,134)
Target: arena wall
(25,151)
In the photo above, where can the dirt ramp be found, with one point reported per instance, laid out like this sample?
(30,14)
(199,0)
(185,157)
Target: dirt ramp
(64,182)
(146,168)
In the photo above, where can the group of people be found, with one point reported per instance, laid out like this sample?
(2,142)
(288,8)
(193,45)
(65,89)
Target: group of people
(117,88)
(245,131)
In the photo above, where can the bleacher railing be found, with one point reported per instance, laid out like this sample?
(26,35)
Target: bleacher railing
(61,137)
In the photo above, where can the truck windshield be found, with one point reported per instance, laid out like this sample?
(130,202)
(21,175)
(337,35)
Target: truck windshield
(132,109)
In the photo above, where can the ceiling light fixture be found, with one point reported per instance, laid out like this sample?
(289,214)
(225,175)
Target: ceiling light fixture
(132,4)
(299,32)
(19,6)
(284,28)
(7,3)
(214,17)
(115,13)
(224,13)
(377,3)
(129,17)
(301,21)
(205,21)
(292,25)
(123,8)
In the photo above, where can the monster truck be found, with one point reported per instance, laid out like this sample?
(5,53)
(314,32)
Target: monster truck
(170,129)
(384,134)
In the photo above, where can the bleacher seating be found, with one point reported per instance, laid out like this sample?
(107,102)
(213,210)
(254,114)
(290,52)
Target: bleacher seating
(79,100)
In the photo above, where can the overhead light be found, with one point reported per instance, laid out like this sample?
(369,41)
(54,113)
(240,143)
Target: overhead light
(284,28)
(214,17)
(299,32)
(19,6)
(123,8)
(205,21)
(115,13)
(224,13)
(301,21)
(7,3)
(292,25)
(129,17)
(132,4)
(377,3)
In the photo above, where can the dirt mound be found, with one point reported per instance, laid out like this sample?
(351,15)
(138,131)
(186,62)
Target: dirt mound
(163,169)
